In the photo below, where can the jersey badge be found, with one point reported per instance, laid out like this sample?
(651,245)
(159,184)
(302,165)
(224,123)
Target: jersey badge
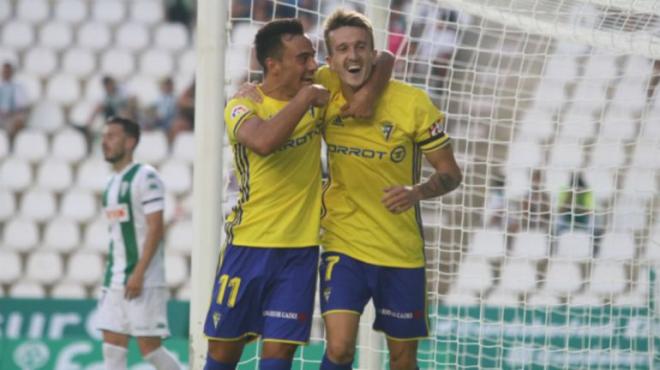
(387,129)
(326,293)
(238,111)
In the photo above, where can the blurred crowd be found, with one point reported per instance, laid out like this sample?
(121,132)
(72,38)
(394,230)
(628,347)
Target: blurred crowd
(170,113)
(424,38)
(423,56)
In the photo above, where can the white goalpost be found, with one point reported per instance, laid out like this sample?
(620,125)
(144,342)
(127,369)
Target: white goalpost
(545,257)
(208,184)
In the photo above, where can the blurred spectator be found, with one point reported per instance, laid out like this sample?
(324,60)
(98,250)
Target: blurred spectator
(180,11)
(576,206)
(185,117)
(162,113)
(309,22)
(397,32)
(14,104)
(262,10)
(115,102)
(240,8)
(536,205)
(328,6)
(496,214)
(308,4)
(285,9)
(438,44)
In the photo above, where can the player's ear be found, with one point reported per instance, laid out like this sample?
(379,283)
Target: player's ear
(271,64)
(328,60)
(131,142)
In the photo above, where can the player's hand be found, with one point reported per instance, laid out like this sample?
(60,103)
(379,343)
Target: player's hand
(398,199)
(361,106)
(317,94)
(133,287)
(249,90)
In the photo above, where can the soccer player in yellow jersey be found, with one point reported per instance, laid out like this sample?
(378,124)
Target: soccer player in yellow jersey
(372,240)
(266,282)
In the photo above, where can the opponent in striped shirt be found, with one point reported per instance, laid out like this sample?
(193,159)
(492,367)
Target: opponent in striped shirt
(373,247)
(134,295)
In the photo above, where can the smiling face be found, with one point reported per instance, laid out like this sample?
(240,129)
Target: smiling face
(296,66)
(351,55)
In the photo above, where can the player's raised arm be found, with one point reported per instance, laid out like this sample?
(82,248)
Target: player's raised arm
(266,136)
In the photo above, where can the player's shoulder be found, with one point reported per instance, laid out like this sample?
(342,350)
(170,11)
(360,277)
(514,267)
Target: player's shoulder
(324,71)
(148,171)
(407,99)
(403,90)
(237,107)
(328,78)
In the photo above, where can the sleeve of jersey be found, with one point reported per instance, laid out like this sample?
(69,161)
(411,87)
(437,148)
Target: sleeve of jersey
(237,111)
(324,76)
(152,194)
(430,132)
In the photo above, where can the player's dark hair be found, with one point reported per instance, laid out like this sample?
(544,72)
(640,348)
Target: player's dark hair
(268,41)
(130,127)
(346,18)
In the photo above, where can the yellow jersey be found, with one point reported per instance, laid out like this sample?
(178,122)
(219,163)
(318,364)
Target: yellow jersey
(365,157)
(280,194)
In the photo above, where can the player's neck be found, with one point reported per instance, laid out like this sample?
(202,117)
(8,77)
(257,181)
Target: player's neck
(276,89)
(122,164)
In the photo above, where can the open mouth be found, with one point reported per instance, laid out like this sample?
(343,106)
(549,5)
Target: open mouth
(354,69)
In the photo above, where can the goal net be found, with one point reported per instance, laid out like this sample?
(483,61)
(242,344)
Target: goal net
(544,258)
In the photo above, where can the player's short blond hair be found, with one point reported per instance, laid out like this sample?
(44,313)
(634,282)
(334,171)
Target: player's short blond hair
(346,18)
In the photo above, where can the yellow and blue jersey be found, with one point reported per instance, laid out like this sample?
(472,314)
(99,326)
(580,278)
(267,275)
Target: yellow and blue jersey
(365,157)
(280,194)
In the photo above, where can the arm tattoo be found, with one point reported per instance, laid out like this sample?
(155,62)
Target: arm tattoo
(439,184)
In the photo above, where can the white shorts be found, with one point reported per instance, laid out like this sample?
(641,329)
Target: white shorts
(144,316)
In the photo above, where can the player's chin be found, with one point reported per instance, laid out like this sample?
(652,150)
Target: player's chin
(355,81)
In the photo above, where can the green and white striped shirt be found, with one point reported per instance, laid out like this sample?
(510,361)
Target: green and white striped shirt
(130,195)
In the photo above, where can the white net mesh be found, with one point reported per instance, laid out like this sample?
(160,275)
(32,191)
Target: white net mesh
(543,259)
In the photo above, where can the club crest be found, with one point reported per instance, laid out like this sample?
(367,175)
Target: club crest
(387,129)
(216,319)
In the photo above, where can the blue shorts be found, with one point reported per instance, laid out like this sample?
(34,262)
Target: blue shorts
(263,291)
(399,294)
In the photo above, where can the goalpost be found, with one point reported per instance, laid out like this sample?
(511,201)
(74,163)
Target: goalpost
(545,257)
